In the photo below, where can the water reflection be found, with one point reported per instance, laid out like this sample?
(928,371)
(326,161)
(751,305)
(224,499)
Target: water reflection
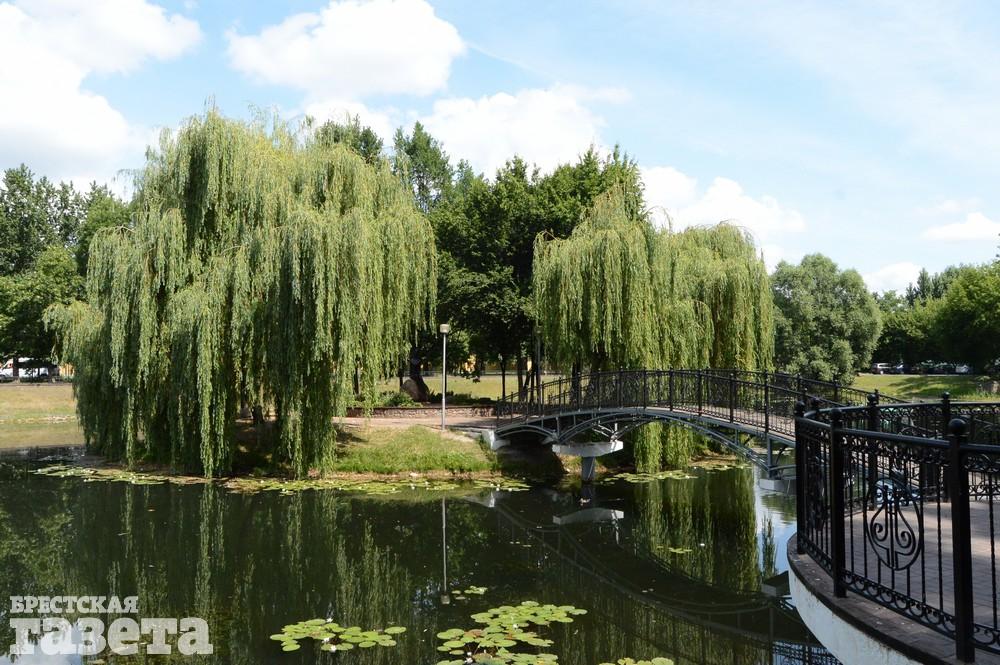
(670,568)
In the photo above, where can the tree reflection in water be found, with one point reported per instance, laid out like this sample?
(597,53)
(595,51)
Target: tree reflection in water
(251,563)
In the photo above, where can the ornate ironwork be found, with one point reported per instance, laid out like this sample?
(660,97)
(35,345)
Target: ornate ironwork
(896,528)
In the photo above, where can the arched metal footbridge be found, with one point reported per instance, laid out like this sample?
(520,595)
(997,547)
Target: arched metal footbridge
(751,412)
(898,503)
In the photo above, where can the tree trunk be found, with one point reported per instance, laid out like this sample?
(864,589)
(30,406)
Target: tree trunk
(503,376)
(17,368)
(520,374)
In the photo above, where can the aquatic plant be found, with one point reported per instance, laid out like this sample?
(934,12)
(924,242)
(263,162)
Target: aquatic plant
(672,474)
(504,629)
(334,637)
(243,485)
(264,268)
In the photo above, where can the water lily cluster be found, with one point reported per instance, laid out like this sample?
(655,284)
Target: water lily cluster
(334,637)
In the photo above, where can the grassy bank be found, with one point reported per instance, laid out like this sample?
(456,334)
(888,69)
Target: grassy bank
(416,449)
(36,400)
(925,387)
(488,386)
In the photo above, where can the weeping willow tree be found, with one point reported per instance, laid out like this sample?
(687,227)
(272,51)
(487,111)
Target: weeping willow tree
(266,267)
(618,293)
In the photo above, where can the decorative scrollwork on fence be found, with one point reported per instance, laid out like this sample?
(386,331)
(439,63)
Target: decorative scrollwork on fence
(896,527)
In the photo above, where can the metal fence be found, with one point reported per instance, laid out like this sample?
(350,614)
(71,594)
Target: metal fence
(898,503)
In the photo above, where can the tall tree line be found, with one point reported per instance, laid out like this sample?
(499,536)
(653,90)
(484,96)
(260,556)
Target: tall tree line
(45,233)
(951,316)
(485,229)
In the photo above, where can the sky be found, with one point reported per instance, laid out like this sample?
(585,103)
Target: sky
(868,131)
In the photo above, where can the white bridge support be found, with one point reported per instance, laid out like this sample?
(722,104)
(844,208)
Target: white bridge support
(588,452)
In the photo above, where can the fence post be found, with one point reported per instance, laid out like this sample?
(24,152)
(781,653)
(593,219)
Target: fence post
(767,420)
(698,376)
(945,412)
(800,480)
(872,425)
(942,427)
(621,403)
(732,396)
(962,542)
(838,480)
(670,389)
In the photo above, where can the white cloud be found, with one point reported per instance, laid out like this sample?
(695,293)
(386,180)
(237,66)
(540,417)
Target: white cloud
(111,36)
(543,126)
(893,277)
(950,207)
(48,120)
(667,190)
(671,193)
(351,49)
(976,226)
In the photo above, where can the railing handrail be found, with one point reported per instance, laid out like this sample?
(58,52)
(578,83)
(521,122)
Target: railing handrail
(862,471)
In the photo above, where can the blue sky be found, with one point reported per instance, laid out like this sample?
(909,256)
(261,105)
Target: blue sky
(864,130)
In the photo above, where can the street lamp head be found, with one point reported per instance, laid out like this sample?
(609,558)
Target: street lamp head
(444,329)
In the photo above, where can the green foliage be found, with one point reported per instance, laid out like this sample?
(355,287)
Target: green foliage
(619,294)
(262,269)
(334,637)
(104,210)
(654,661)
(910,334)
(969,317)
(35,214)
(827,322)
(362,140)
(423,166)
(504,629)
(486,232)
(25,296)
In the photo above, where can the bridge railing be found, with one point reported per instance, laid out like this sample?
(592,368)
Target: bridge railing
(900,504)
(757,399)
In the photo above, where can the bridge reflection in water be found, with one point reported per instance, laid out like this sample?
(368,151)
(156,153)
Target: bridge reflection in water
(702,604)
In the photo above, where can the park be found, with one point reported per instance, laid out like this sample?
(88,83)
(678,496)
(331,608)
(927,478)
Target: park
(300,386)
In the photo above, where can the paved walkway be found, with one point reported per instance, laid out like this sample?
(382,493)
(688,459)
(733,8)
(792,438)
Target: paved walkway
(930,576)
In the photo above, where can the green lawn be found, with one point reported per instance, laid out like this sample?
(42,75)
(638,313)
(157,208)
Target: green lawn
(486,386)
(29,435)
(924,387)
(36,400)
(417,449)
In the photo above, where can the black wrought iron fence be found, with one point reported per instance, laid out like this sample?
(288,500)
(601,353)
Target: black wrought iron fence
(760,400)
(898,503)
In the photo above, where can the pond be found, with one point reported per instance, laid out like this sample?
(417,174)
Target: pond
(673,567)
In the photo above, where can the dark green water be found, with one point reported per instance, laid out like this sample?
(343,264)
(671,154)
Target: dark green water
(250,564)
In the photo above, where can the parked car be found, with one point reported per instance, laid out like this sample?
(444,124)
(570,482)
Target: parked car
(881,368)
(901,368)
(28,368)
(963,369)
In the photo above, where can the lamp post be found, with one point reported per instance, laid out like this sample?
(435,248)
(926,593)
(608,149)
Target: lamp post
(444,329)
